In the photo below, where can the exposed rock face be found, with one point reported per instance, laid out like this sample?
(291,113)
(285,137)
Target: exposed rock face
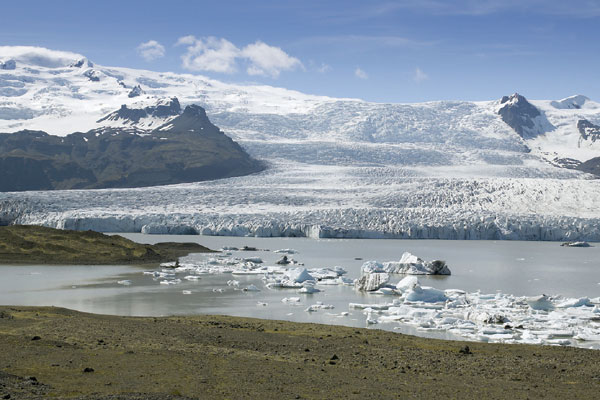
(588,130)
(129,116)
(591,166)
(92,75)
(82,62)
(523,116)
(136,91)
(8,64)
(188,149)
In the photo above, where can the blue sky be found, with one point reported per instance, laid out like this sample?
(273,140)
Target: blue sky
(395,51)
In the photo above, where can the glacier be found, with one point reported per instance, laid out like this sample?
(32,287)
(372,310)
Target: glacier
(338,168)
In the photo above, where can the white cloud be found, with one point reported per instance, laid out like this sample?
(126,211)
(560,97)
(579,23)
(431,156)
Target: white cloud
(220,55)
(360,73)
(190,39)
(419,75)
(268,60)
(209,54)
(151,50)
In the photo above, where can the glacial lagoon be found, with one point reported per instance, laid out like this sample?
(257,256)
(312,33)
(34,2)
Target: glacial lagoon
(492,274)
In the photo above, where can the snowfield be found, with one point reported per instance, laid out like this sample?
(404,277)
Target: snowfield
(338,167)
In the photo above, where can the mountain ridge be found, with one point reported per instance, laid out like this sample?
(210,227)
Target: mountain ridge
(189,149)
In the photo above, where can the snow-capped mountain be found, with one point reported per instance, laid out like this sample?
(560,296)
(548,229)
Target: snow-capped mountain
(338,167)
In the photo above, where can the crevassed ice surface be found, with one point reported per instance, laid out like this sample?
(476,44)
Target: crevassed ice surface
(338,167)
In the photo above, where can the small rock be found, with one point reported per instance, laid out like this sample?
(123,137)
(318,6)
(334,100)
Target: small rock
(36,338)
(335,357)
(88,369)
(465,350)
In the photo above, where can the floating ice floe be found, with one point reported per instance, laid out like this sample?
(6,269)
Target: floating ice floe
(576,244)
(408,264)
(251,288)
(291,300)
(319,306)
(490,317)
(170,282)
(309,290)
(186,292)
(286,251)
(124,282)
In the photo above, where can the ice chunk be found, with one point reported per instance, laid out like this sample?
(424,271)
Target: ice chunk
(286,251)
(251,288)
(584,301)
(371,266)
(407,283)
(541,303)
(291,300)
(425,294)
(309,290)
(299,275)
(125,282)
(319,306)
(372,281)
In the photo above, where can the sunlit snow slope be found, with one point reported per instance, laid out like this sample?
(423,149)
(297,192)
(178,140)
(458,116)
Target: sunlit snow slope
(339,167)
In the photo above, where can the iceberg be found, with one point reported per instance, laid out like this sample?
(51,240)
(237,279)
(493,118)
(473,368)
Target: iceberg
(372,281)
(408,264)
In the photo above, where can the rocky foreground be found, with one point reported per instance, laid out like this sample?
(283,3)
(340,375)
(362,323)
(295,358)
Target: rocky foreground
(53,352)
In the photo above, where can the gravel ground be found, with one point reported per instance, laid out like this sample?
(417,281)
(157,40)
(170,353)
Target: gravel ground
(48,352)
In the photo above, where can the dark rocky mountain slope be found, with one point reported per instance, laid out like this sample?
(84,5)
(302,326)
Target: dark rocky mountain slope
(188,148)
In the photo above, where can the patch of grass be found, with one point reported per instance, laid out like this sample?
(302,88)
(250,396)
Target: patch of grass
(22,244)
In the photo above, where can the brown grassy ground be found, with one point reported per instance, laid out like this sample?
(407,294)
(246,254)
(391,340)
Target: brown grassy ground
(22,244)
(218,357)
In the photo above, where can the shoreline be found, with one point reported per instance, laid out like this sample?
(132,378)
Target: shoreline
(212,356)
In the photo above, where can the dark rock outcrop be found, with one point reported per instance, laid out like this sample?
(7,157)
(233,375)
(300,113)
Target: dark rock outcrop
(136,91)
(92,75)
(128,116)
(591,166)
(187,149)
(588,130)
(8,64)
(523,117)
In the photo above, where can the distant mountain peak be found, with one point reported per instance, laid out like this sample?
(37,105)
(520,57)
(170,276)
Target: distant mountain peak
(523,117)
(143,115)
(572,102)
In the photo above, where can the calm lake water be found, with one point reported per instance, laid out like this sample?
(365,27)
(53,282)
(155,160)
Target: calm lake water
(513,267)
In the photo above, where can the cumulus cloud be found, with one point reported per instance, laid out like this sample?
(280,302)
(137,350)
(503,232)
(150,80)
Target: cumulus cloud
(359,73)
(220,55)
(268,60)
(419,75)
(151,50)
(209,54)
